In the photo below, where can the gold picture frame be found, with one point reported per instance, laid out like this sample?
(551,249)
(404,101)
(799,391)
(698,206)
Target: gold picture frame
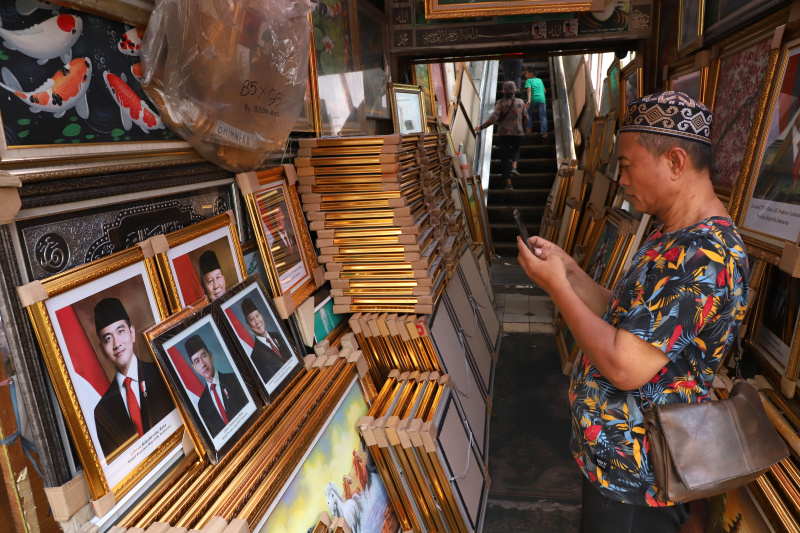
(439,9)
(186,266)
(689,79)
(124,286)
(690,26)
(774,337)
(289,270)
(764,203)
(408,108)
(742,101)
(632,83)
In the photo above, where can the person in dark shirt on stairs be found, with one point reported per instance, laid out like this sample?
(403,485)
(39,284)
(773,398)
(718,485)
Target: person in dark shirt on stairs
(510,114)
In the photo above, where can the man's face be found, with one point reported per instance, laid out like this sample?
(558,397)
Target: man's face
(214,284)
(203,363)
(279,219)
(116,343)
(256,323)
(640,173)
(536,30)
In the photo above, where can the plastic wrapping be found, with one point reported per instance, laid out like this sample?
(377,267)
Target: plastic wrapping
(229,76)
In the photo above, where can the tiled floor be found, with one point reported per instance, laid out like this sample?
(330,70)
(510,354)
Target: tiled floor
(523,313)
(521,306)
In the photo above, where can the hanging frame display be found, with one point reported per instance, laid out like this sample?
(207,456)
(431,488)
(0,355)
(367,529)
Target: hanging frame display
(775,323)
(340,85)
(408,108)
(373,56)
(632,83)
(88,311)
(769,214)
(738,96)
(691,26)
(422,78)
(282,235)
(202,260)
(469,97)
(439,9)
(40,125)
(689,79)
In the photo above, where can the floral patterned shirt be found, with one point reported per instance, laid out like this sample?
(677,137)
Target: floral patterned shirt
(684,293)
(516,114)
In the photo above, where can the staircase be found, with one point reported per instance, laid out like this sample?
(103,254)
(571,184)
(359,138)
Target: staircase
(537,167)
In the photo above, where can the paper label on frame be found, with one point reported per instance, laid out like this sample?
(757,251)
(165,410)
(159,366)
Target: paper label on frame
(776,349)
(773,218)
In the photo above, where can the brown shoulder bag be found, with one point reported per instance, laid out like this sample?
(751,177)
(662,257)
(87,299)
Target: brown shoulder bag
(703,449)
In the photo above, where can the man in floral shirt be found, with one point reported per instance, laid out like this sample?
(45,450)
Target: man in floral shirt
(664,329)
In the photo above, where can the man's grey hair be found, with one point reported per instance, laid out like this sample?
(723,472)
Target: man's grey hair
(700,154)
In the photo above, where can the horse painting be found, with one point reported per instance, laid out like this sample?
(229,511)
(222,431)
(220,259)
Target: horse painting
(349,509)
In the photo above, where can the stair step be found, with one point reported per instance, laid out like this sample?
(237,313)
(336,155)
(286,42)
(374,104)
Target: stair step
(502,215)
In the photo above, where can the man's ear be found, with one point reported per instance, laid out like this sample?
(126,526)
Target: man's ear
(678,161)
(133,332)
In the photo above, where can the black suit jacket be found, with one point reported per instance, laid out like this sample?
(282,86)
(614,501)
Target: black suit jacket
(112,420)
(233,399)
(267,361)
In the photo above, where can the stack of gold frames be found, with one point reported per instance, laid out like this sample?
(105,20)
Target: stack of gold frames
(426,453)
(382,210)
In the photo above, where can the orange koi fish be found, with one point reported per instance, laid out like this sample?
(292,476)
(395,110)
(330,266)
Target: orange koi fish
(133,109)
(65,90)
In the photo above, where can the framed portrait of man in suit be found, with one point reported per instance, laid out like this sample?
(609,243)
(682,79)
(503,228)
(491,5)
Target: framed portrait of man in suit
(269,351)
(201,260)
(217,396)
(119,410)
(282,234)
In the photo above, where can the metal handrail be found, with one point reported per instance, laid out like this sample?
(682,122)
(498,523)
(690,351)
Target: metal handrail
(565,142)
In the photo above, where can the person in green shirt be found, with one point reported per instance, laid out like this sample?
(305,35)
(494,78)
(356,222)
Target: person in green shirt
(536,101)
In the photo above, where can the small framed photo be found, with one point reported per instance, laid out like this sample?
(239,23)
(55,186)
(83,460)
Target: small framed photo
(197,356)
(203,260)
(269,352)
(408,108)
(540,30)
(282,236)
(325,320)
(570,27)
(776,321)
(117,407)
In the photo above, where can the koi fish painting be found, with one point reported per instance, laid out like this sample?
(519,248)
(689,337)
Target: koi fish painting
(51,38)
(70,78)
(65,90)
(131,42)
(133,109)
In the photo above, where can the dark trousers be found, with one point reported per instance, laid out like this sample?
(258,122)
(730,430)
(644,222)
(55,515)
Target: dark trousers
(600,514)
(509,151)
(512,71)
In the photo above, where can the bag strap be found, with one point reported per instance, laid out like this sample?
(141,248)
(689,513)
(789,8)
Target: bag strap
(504,114)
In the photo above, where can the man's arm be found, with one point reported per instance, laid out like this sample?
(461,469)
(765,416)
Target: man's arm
(624,359)
(528,88)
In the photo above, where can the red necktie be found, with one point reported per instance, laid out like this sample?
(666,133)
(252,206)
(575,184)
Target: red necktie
(133,407)
(219,403)
(274,347)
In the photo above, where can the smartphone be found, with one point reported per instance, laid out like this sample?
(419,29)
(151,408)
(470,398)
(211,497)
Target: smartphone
(521,227)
